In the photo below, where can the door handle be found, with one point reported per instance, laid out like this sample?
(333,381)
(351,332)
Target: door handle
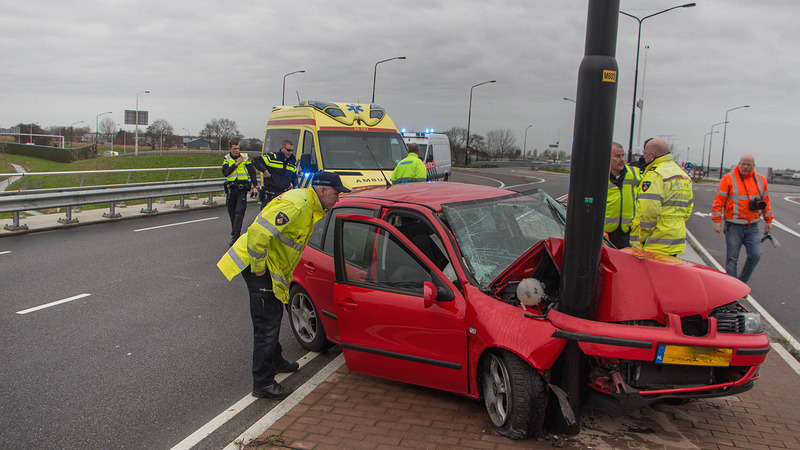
(347,303)
(310,267)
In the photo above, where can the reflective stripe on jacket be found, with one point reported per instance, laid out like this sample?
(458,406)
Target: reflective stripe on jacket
(282,171)
(663,206)
(276,239)
(621,202)
(733,198)
(410,169)
(239,173)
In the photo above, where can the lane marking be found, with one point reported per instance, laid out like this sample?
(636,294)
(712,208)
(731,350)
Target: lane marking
(785,228)
(286,405)
(790,199)
(225,416)
(757,306)
(175,224)
(5,252)
(57,302)
(502,185)
(783,353)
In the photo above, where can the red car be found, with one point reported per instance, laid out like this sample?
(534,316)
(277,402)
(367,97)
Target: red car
(456,287)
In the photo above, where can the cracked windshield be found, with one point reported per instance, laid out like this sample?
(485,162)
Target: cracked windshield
(493,233)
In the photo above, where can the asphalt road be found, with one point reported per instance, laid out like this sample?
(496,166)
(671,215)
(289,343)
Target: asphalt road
(162,343)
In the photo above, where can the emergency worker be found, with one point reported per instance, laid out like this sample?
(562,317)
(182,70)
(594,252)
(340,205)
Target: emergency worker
(410,169)
(664,203)
(742,199)
(241,179)
(280,174)
(621,200)
(266,256)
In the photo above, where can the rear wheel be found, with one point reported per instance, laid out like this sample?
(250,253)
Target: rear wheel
(306,324)
(514,395)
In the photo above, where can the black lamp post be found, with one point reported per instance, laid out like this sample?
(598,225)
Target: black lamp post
(375,73)
(283,91)
(724,133)
(636,72)
(469,118)
(710,141)
(525,142)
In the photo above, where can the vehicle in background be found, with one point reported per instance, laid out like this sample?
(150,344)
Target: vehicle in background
(434,151)
(360,142)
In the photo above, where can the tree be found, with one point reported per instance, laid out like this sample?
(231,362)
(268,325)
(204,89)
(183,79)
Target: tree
(223,130)
(108,127)
(458,140)
(501,142)
(158,131)
(28,129)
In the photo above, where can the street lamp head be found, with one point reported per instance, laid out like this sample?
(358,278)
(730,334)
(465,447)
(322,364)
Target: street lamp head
(689,5)
(401,57)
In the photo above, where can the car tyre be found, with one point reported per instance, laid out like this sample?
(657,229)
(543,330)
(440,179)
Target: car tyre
(514,394)
(305,321)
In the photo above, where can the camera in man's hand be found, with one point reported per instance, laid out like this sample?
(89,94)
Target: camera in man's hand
(772,240)
(757,203)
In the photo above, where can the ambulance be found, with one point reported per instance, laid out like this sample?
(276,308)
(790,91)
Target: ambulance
(434,151)
(360,142)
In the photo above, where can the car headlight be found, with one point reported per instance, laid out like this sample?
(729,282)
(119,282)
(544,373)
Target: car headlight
(752,323)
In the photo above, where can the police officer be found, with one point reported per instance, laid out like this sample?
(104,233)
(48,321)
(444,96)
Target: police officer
(280,174)
(664,203)
(621,200)
(410,169)
(266,256)
(241,179)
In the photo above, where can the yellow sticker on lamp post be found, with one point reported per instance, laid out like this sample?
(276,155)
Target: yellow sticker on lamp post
(610,76)
(694,356)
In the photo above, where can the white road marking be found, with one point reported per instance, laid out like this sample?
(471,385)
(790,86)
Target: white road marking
(57,302)
(795,200)
(5,252)
(206,430)
(286,405)
(785,228)
(175,224)
(702,214)
(502,185)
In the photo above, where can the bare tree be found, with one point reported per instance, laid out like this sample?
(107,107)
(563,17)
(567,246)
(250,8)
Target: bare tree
(221,129)
(501,142)
(158,131)
(108,127)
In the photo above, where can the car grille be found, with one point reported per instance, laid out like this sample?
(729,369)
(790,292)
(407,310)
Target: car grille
(730,323)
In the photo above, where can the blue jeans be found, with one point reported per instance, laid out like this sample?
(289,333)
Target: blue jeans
(735,236)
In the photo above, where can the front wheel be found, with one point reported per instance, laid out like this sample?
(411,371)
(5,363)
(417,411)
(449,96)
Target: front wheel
(305,321)
(514,395)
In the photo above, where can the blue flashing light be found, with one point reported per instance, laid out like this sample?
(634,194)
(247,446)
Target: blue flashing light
(402,130)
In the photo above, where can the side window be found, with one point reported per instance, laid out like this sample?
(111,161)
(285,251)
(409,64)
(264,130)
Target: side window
(274,137)
(308,146)
(378,259)
(322,236)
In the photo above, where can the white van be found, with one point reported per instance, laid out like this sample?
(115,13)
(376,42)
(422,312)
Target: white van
(434,150)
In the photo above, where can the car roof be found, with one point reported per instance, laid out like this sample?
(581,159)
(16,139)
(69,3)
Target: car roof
(432,195)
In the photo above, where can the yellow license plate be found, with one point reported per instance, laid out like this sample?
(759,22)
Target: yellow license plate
(694,356)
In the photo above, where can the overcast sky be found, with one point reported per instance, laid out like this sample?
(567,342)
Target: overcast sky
(68,61)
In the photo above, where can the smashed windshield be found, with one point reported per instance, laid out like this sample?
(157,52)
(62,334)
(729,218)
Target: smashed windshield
(492,233)
(364,150)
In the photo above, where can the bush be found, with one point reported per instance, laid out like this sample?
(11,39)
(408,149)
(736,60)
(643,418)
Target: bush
(65,155)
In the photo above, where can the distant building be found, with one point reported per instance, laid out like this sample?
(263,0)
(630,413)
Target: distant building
(199,143)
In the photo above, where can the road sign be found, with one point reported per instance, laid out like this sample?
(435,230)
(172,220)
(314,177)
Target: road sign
(688,166)
(130,117)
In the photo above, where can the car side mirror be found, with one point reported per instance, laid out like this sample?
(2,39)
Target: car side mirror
(306,165)
(429,294)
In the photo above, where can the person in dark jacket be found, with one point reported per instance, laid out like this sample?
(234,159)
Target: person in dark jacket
(241,177)
(280,173)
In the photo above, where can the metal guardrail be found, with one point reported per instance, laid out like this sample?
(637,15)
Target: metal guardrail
(83,173)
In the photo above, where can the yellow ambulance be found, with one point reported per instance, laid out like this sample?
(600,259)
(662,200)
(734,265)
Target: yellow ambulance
(360,142)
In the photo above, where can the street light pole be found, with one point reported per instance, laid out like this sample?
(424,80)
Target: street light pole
(724,133)
(136,144)
(710,141)
(703,167)
(525,142)
(570,100)
(283,92)
(640,102)
(71,132)
(636,72)
(97,128)
(375,73)
(189,133)
(469,118)
(32,124)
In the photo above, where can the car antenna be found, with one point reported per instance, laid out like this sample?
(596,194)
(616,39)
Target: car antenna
(377,165)
(298,97)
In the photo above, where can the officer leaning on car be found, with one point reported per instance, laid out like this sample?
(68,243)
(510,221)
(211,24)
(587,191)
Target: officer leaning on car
(266,256)
(241,179)
(742,198)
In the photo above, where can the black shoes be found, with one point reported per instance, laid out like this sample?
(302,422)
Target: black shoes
(273,390)
(287,367)
(233,240)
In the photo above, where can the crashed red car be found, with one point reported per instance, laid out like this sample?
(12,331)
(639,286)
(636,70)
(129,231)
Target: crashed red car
(456,287)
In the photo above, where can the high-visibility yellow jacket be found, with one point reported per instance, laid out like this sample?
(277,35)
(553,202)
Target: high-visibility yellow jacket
(621,201)
(733,198)
(409,170)
(663,206)
(276,239)
(237,173)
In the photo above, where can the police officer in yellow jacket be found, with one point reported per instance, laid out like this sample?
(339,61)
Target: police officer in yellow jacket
(410,169)
(240,179)
(266,256)
(664,203)
(621,200)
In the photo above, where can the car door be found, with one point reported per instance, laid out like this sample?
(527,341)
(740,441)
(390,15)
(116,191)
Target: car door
(387,328)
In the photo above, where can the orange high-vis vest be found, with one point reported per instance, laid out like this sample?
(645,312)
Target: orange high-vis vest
(733,198)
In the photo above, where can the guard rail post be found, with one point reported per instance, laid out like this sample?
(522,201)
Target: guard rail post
(112,214)
(149,209)
(181,205)
(69,218)
(210,201)
(15,226)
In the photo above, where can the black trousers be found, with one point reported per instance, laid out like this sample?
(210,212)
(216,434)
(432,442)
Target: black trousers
(266,311)
(266,196)
(619,238)
(237,205)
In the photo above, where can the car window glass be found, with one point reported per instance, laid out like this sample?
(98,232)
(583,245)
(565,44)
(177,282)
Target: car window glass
(330,220)
(308,146)
(275,136)
(425,238)
(380,260)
